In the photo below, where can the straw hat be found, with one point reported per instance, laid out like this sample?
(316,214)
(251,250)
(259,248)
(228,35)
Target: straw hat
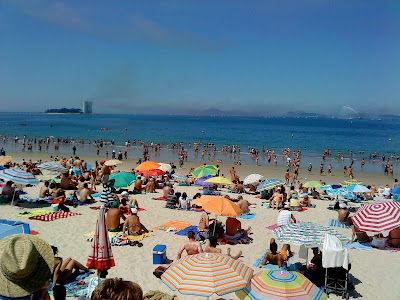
(26,265)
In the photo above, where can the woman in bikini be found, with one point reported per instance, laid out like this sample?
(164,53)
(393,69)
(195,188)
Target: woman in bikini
(132,225)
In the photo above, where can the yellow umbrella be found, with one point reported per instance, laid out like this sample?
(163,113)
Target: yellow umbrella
(219,180)
(204,171)
(219,206)
(148,165)
(113,162)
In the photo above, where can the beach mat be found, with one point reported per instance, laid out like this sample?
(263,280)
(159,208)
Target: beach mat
(54,216)
(160,198)
(248,217)
(336,223)
(179,225)
(186,230)
(33,213)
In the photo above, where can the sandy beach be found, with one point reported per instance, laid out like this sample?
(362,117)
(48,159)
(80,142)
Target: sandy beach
(374,273)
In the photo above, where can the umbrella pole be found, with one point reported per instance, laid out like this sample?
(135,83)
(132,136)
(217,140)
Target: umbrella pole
(215,224)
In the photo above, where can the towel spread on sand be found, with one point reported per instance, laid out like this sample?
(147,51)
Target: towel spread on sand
(54,216)
(33,213)
(248,217)
(290,267)
(187,229)
(359,246)
(179,225)
(336,223)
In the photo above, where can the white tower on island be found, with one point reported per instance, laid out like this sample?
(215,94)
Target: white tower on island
(87,107)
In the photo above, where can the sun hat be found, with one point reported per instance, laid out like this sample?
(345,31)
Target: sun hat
(134,210)
(26,265)
(124,194)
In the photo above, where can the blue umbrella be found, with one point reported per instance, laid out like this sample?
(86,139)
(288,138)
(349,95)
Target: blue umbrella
(269,184)
(396,190)
(201,181)
(342,192)
(18,176)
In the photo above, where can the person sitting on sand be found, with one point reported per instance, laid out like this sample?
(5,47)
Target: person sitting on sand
(113,218)
(129,203)
(184,202)
(394,237)
(138,185)
(63,269)
(211,247)
(306,202)
(44,190)
(191,246)
(244,205)
(276,198)
(58,194)
(344,216)
(150,188)
(234,231)
(132,225)
(66,182)
(362,236)
(171,200)
(276,257)
(285,217)
(85,194)
(8,191)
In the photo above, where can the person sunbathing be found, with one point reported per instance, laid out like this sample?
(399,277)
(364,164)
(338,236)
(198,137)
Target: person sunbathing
(211,247)
(244,205)
(306,202)
(276,257)
(362,236)
(184,202)
(191,246)
(150,188)
(132,225)
(276,199)
(394,237)
(66,182)
(44,190)
(58,194)
(63,269)
(113,218)
(85,194)
(234,231)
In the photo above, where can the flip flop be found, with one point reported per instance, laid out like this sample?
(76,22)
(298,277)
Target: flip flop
(140,245)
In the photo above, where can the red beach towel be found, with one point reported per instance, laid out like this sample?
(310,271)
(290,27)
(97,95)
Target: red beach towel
(54,216)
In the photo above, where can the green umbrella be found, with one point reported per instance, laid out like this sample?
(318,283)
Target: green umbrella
(204,170)
(312,184)
(121,179)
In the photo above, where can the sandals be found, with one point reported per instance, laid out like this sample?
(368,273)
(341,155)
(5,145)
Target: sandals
(136,243)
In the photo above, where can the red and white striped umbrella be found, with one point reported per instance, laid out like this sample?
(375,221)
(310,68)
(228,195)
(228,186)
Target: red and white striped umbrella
(378,216)
(101,257)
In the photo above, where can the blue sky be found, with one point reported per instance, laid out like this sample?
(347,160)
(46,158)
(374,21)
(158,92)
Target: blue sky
(248,57)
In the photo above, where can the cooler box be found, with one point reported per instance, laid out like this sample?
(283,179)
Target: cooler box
(159,254)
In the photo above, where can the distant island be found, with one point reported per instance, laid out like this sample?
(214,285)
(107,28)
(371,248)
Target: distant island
(63,111)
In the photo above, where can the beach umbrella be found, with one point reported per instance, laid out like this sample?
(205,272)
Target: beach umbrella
(343,192)
(113,162)
(53,167)
(204,274)
(121,179)
(252,178)
(219,180)
(308,234)
(88,166)
(151,173)
(18,176)
(358,188)
(180,177)
(148,165)
(396,190)
(204,170)
(101,257)
(5,160)
(269,184)
(219,206)
(377,217)
(165,167)
(312,184)
(279,284)
(330,187)
(202,181)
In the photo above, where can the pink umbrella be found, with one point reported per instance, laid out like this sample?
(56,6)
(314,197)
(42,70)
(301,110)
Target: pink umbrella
(151,173)
(377,216)
(101,257)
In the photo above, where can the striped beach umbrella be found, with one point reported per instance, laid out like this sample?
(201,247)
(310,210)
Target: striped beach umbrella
(277,284)
(377,217)
(205,170)
(343,192)
(18,176)
(4,160)
(53,167)
(269,184)
(179,177)
(308,234)
(204,274)
(252,178)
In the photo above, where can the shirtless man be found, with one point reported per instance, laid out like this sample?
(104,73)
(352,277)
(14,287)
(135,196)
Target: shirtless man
(113,218)
(243,205)
(78,166)
(66,182)
(85,193)
(132,225)
(58,194)
(105,173)
(343,216)
(234,230)
(276,257)
(204,223)
(191,246)
(44,190)
(166,189)
(394,237)
(211,247)
(9,191)
(396,183)
(80,184)
(138,184)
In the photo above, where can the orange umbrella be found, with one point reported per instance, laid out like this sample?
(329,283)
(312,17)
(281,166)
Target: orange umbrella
(148,165)
(219,206)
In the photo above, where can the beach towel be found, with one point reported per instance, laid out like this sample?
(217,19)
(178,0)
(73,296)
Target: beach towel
(179,225)
(33,213)
(248,217)
(96,195)
(34,200)
(53,216)
(289,266)
(336,223)
(359,246)
(186,230)
(160,198)
(75,278)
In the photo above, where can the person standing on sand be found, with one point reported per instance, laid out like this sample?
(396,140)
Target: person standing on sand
(105,173)
(74,150)
(233,174)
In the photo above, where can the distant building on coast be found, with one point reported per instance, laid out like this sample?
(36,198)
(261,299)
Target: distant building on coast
(87,107)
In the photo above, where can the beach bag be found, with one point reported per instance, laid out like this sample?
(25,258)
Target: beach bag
(378,242)
(159,271)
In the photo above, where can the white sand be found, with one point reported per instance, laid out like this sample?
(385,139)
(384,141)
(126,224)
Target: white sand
(374,273)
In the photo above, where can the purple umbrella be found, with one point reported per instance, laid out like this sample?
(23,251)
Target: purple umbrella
(201,181)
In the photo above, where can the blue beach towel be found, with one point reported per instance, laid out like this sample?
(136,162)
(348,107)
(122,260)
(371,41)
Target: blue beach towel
(290,267)
(96,195)
(248,217)
(359,246)
(336,223)
(75,278)
(187,229)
